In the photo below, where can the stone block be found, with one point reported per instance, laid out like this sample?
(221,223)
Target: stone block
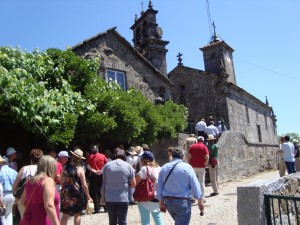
(248,205)
(250,202)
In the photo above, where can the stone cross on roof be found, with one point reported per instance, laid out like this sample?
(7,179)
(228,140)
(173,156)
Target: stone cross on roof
(179,59)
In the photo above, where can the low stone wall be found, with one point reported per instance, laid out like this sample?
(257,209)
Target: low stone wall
(250,199)
(238,157)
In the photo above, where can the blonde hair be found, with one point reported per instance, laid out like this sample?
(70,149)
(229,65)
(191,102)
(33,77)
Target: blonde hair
(46,166)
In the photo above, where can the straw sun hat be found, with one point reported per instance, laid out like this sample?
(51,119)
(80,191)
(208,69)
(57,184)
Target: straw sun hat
(78,153)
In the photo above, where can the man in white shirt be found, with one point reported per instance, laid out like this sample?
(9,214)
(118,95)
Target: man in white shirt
(221,127)
(200,128)
(288,150)
(212,130)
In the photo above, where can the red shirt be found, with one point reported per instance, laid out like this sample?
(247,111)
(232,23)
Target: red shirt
(97,161)
(198,152)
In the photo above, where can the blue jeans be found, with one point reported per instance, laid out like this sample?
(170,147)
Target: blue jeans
(290,166)
(145,216)
(117,212)
(180,210)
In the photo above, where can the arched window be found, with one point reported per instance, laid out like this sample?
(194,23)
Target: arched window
(161,92)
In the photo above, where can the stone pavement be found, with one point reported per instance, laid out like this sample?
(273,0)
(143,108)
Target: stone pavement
(219,210)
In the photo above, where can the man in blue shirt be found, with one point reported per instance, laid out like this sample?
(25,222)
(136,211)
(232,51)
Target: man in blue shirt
(176,181)
(7,178)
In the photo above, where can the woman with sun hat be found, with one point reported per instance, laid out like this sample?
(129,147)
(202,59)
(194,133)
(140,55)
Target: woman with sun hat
(73,188)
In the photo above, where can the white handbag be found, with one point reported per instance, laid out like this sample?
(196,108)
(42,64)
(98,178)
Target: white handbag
(89,207)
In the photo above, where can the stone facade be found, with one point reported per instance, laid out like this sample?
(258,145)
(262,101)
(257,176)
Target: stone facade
(206,94)
(196,89)
(116,54)
(250,144)
(250,116)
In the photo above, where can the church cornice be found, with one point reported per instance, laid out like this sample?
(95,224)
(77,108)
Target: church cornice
(249,96)
(185,69)
(216,44)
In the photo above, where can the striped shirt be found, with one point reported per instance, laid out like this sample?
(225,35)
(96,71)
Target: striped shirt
(7,178)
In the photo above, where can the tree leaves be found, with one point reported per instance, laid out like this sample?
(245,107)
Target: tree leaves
(30,101)
(61,96)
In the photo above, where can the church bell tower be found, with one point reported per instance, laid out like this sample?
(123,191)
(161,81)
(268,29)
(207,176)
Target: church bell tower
(147,39)
(218,58)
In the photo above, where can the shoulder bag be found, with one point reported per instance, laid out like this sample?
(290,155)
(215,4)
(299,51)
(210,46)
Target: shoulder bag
(23,209)
(144,191)
(18,192)
(213,162)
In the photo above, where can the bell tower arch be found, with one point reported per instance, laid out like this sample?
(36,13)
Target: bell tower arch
(147,39)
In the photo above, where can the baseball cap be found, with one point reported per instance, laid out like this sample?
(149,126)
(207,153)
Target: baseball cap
(63,153)
(148,155)
(10,151)
(200,138)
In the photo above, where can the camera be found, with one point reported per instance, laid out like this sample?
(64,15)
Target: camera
(2,211)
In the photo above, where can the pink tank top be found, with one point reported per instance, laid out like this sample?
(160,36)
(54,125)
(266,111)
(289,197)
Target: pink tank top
(36,214)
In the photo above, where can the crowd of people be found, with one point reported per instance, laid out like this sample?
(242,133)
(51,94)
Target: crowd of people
(202,155)
(204,129)
(55,186)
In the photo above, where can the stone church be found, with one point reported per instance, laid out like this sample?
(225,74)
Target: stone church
(250,143)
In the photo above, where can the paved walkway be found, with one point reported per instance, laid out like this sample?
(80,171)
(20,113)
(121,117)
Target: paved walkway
(219,210)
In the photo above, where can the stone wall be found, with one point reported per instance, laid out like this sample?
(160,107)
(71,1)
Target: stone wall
(250,199)
(238,157)
(199,91)
(115,53)
(250,116)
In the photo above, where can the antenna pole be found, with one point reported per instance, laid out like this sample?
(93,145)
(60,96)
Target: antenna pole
(208,17)
(142,4)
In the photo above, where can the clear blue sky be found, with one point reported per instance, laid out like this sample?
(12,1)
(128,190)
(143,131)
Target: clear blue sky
(264,34)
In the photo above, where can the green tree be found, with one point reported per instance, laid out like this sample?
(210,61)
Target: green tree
(60,95)
(78,72)
(28,98)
